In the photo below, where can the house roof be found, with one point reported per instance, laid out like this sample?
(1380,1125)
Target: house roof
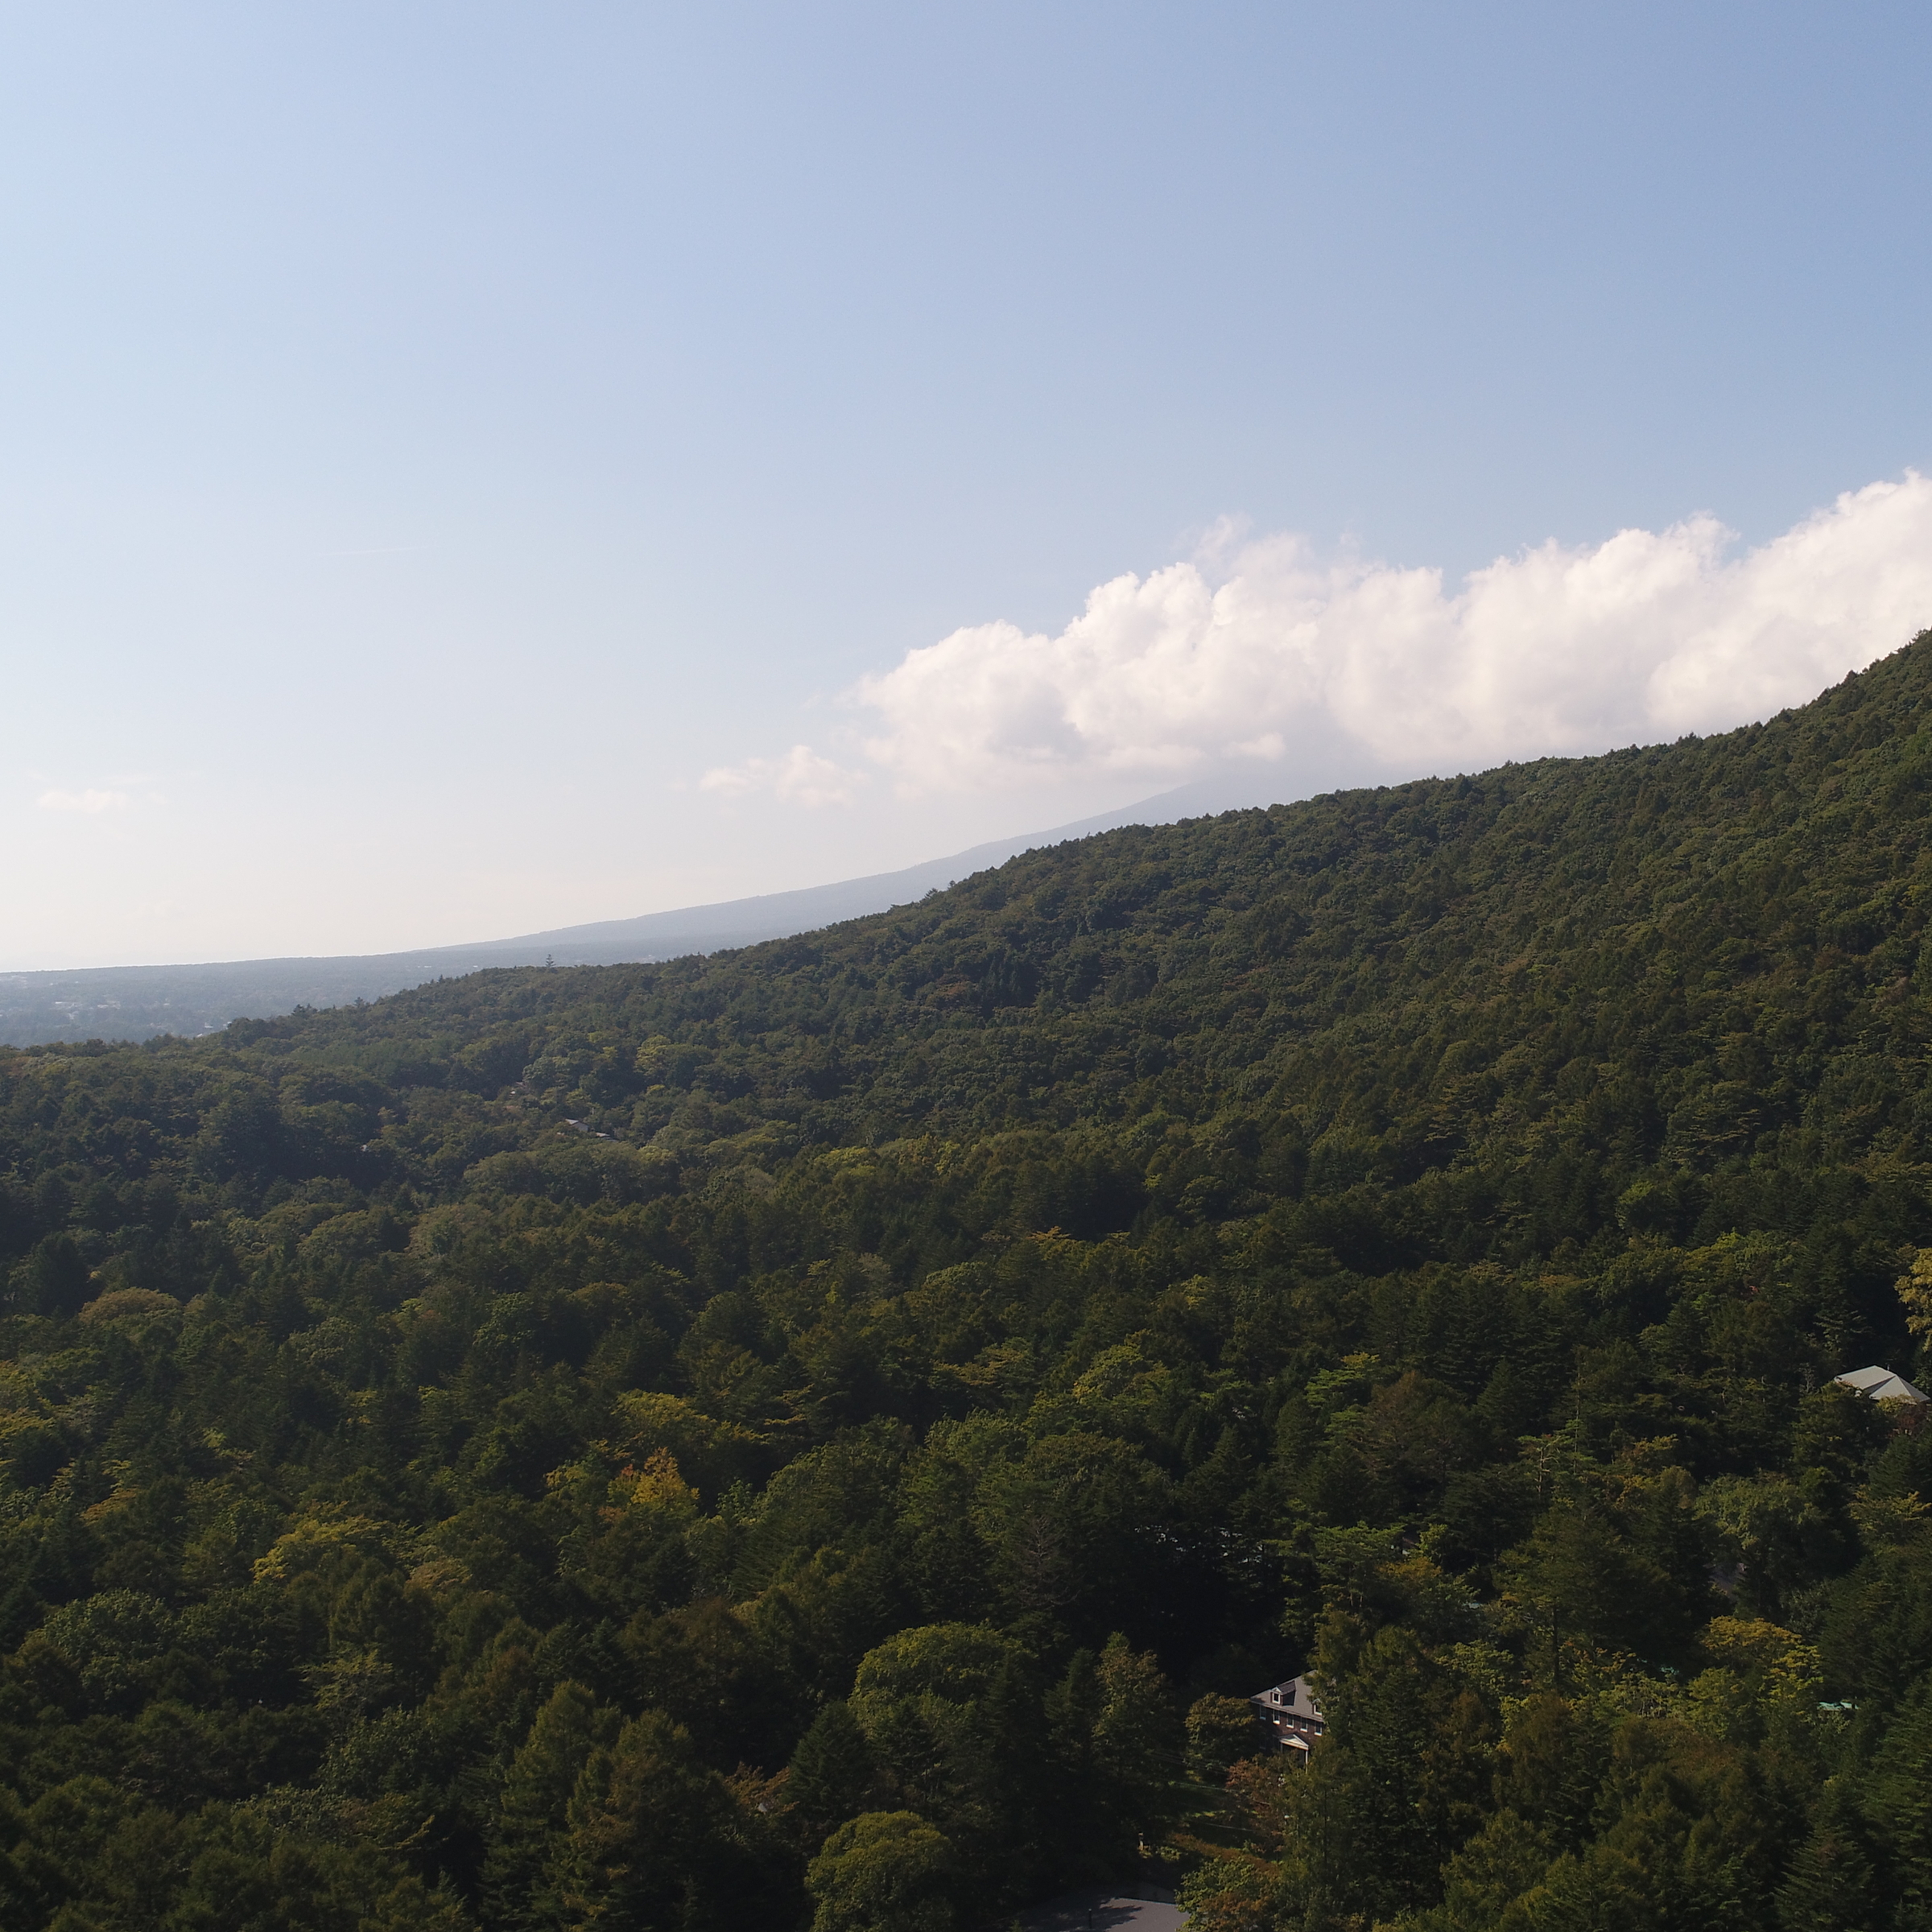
(1882,1385)
(1294,1694)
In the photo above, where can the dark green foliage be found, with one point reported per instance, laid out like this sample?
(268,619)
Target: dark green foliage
(833,1767)
(52,1280)
(1222,1730)
(785,1436)
(1832,1884)
(1898,1804)
(522,1879)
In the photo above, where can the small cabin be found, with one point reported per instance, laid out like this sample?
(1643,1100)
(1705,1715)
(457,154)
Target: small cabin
(1290,1715)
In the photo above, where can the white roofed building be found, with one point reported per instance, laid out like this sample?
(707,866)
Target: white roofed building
(1882,1385)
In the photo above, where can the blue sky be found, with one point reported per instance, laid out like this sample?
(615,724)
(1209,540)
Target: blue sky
(434,438)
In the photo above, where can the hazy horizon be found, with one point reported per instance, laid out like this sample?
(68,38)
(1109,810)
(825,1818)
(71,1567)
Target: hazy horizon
(474,474)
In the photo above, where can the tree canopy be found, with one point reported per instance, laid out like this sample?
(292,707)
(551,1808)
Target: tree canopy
(826,1434)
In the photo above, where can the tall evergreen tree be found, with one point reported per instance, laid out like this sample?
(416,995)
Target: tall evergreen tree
(1898,1800)
(1832,1885)
(521,1889)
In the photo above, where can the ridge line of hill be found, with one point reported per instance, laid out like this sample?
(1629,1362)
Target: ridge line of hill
(189,1000)
(839,1432)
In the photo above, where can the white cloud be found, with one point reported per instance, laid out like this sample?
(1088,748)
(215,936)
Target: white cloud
(81,801)
(1647,636)
(801,777)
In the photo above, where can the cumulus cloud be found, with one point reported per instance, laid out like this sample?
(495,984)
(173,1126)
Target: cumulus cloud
(1647,636)
(81,801)
(801,777)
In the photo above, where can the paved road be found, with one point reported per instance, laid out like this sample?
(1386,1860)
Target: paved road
(1103,1910)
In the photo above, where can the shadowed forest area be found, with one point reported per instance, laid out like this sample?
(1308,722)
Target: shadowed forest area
(832,1434)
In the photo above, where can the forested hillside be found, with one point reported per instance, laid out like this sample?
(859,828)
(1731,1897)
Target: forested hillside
(828,1432)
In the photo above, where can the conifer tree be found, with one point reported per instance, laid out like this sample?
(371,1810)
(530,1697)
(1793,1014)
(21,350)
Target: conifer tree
(1898,1801)
(831,1772)
(648,1835)
(520,1890)
(1831,1885)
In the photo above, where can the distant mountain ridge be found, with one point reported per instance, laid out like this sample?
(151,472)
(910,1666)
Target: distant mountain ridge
(122,1003)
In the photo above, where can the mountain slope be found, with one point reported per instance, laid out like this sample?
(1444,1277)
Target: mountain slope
(852,1419)
(1403,980)
(137,1002)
